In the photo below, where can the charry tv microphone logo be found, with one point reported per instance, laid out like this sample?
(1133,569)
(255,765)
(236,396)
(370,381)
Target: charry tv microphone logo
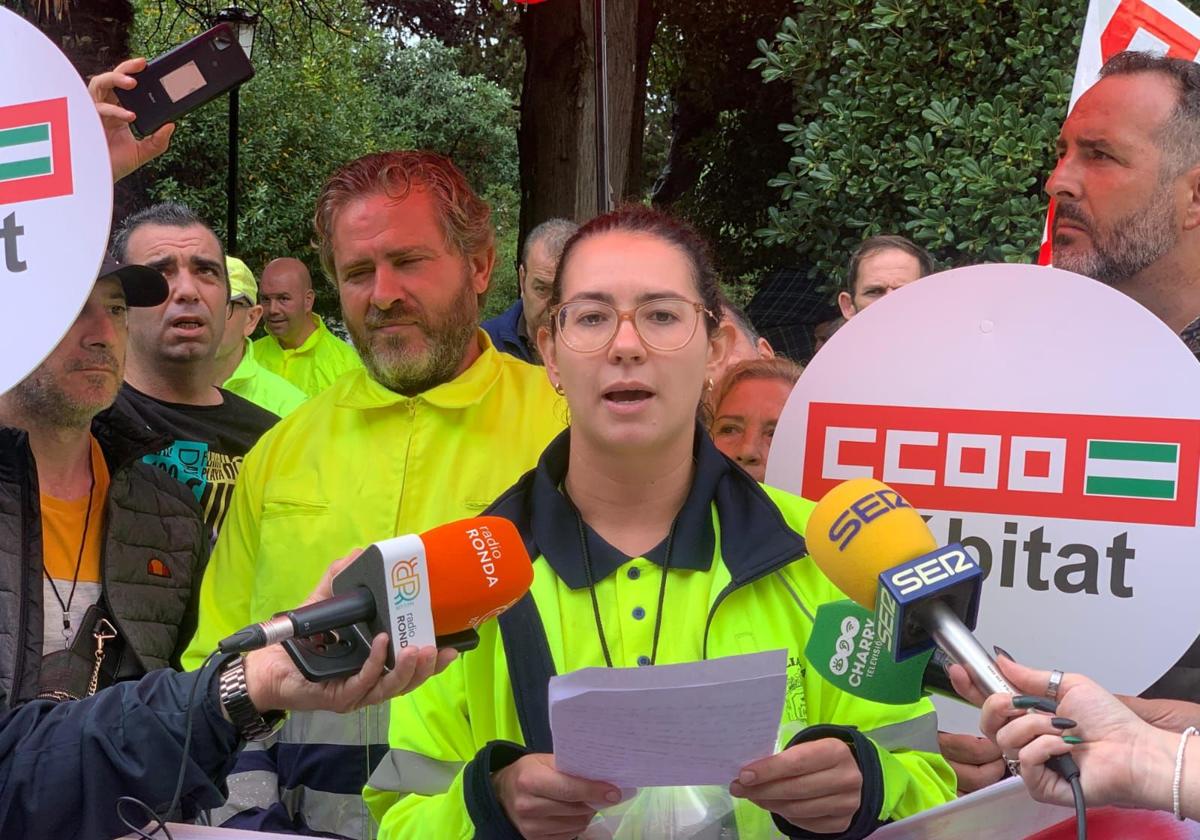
(35,151)
(1056,466)
(839,663)
(406,581)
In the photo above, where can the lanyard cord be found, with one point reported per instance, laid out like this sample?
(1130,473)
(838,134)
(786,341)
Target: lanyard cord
(662,591)
(66,605)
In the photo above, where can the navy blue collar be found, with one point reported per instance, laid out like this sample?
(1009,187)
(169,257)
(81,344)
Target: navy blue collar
(555,523)
(755,539)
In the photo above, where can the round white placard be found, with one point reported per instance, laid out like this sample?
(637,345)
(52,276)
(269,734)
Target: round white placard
(55,196)
(1047,422)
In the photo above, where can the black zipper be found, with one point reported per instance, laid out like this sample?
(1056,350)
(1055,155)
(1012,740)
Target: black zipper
(26,576)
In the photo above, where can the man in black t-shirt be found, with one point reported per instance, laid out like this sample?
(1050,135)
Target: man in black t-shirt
(172,350)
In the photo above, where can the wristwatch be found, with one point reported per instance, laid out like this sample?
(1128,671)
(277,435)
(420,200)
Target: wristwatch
(251,724)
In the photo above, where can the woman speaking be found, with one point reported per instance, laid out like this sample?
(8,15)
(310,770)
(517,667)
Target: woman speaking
(650,547)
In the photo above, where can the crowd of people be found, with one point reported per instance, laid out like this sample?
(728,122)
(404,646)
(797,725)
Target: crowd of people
(165,480)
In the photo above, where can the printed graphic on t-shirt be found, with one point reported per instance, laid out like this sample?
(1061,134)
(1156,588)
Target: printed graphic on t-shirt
(209,474)
(187,462)
(208,444)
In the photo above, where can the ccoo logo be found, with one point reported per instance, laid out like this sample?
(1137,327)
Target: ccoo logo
(1065,466)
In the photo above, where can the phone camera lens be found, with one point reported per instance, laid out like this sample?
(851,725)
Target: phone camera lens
(222,42)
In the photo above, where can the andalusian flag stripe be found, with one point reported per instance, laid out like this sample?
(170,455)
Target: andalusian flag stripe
(1122,450)
(1131,469)
(25,151)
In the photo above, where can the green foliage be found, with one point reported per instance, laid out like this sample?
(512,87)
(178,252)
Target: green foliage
(725,146)
(323,95)
(936,120)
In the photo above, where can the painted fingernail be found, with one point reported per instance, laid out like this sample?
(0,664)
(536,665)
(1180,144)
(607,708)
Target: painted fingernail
(612,796)
(1002,652)
(747,777)
(1063,723)
(1042,704)
(1072,739)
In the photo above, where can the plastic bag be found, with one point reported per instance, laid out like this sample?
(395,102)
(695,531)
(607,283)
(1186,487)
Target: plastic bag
(685,813)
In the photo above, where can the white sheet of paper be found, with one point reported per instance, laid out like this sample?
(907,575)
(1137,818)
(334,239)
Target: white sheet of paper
(695,723)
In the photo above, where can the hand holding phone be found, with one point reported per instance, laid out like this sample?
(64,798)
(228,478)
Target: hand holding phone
(126,152)
(185,78)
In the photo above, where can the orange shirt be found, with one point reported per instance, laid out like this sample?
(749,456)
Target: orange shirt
(62,532)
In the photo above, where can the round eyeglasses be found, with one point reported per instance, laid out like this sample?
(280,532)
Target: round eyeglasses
(663,324)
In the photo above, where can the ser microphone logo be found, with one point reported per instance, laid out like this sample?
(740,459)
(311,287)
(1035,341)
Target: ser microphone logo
(406,581)
(1138,470)
(930,571)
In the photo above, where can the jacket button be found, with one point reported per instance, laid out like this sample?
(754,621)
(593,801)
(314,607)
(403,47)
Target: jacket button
(643,660)
(634,573)
(639,613)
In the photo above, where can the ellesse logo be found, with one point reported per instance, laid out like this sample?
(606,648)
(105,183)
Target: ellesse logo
(1067,466)
(158,568)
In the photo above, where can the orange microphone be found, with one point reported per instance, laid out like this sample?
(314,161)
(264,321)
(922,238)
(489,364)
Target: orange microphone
(432,588)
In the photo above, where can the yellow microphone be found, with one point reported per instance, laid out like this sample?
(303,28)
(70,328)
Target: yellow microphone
(877,549)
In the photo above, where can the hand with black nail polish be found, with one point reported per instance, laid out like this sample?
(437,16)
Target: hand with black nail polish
(1122,759)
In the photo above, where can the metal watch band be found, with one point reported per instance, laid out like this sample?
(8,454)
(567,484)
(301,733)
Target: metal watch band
(231,690)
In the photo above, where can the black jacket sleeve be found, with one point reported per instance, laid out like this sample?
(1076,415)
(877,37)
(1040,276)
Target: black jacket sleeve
(63,765)
(866,819)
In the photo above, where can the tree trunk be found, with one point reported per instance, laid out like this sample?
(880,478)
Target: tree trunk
(94,35)
(557,139)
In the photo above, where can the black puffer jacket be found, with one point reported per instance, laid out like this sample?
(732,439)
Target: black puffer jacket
(154,550)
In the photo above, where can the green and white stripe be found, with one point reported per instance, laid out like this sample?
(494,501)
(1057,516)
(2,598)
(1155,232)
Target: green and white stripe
(25,151)
(1131,469)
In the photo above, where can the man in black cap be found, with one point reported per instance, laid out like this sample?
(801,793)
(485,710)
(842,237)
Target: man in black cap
(100,554)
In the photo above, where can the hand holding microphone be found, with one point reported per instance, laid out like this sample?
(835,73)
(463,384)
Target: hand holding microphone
(419,590)
(878,550)
(273,681)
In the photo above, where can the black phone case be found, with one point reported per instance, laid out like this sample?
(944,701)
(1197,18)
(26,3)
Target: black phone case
(220,61)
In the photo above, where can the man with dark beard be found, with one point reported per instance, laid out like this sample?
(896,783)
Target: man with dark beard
(1127,190)
(436,425)
(1127,186)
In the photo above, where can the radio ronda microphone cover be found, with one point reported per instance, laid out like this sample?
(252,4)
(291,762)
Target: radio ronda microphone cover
(420,589)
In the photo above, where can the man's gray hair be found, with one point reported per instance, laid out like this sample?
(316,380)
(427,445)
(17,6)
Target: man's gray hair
(553,234)
(1179,137)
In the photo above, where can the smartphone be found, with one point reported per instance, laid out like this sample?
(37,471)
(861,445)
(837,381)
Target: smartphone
(185,78)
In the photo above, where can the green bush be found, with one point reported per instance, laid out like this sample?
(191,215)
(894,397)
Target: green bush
(936,120)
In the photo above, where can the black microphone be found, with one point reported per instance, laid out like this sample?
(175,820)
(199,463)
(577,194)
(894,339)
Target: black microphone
(330,614)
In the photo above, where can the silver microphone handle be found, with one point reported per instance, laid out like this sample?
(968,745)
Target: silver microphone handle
(960,644)
(276,629)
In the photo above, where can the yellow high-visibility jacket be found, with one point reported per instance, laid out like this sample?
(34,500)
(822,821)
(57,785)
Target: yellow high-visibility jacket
(738,581)
(314,365)
(355,464)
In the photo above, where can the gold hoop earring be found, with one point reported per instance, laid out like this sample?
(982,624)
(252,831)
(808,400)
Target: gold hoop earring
(558,389)
(709,385)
